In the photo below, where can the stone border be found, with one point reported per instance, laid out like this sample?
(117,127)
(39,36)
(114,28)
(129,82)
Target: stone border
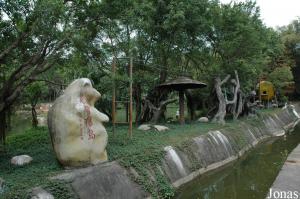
(287,183)
(286,128)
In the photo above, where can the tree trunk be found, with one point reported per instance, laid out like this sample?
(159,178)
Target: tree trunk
(126,104)
(152,102)
(296,74)
(237,101)
(34,116)
(138,101)
(181,107)
(157,115)
(153,114)
(219,117)
(239,107)
(2,127)
(190,104)
(8,122)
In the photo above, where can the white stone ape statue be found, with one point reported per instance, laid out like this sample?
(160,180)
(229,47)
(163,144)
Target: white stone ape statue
(75,125)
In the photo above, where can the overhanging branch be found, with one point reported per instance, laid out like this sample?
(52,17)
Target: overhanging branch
(48,81)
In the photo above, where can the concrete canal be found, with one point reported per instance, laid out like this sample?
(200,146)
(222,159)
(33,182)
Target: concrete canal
(248,178)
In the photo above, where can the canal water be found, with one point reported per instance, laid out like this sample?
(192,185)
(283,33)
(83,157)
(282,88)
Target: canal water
(248,178)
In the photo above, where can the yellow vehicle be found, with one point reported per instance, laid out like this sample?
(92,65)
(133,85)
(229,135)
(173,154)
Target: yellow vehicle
(266,91)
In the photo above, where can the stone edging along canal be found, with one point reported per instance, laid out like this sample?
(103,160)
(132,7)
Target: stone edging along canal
(217,148)
(287,183)
(185,162)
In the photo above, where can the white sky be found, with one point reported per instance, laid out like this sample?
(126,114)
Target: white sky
(276,12)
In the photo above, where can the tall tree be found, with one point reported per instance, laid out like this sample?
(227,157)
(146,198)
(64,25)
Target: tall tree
(290,35)
(35,35)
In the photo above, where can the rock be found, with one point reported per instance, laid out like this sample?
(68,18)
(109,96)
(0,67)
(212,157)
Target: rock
(160,128)
(40,193)
(144,127)
(76,126)
(2,183)
(21,160)
(108,180)
(203,119)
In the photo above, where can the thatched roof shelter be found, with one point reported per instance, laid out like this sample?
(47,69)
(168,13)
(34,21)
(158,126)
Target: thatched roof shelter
(180,84)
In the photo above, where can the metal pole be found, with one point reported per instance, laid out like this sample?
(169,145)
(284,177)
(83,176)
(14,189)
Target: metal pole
(130,95)
(113,108)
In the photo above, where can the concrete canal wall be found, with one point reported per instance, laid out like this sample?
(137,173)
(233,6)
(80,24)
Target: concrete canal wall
(217,148)
(287,183)
(185,162)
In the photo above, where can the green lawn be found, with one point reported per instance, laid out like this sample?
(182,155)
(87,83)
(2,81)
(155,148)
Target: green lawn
(145,148)
(36,143)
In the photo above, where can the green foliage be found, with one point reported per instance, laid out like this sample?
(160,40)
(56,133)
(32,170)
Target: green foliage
(280,77)
(290,35)
(35,92)
(240,42)
(166,38)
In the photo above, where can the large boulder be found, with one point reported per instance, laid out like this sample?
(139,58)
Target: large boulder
(21,160)
(103,181)
(76,126)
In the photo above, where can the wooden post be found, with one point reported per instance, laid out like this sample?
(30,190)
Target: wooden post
(113,108)
(130,95)
(181,107)
(127,111)
(259,92)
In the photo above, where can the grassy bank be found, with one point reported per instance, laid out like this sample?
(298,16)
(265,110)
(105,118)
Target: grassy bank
(18,180)
(143,151)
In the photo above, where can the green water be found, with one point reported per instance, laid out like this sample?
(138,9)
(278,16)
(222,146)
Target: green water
(248,178)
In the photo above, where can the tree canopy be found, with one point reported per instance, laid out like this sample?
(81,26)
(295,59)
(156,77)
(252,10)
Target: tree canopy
(63,40)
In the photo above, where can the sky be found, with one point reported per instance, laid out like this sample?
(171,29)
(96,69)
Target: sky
(276,12)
